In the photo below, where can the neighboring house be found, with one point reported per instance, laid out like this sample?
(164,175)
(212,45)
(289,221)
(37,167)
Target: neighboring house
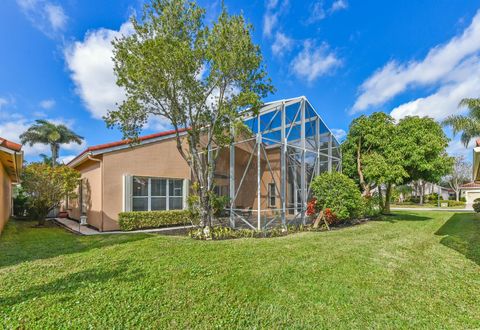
(471,190)
(431,188)
(11,160)
(288,144)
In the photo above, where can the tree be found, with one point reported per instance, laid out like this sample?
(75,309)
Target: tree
(369,155)
(175,68)
(460,174)
(469,125)
(422,144)
(45,132)
(46,186)
(47,159)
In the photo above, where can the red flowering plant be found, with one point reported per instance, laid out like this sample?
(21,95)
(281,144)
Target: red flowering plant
(312,207)
(330,216)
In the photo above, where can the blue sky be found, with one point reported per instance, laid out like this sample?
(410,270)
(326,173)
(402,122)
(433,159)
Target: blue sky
(348,57)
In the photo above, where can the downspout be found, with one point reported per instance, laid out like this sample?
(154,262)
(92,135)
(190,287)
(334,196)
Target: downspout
(89,156)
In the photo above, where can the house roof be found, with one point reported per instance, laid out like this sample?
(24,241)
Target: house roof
(102,148)
(10,145)
(471,185)
(11,158)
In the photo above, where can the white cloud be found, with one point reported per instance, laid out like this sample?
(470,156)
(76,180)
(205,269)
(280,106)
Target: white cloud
(47,104)
(91,66)
(14,125)
(461,82)
(317,12)
(275,8)
(314,61)
(338,133)
(339,5)
(44,15)
(66,159)
(394,78)
(282,44)
(3,102)
(456,148)
(56,16)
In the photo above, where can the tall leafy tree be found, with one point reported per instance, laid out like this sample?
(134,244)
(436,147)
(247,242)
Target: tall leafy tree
(460,174)
(196,77)
(369,155)
(45,132)
(468,124)
(423,144)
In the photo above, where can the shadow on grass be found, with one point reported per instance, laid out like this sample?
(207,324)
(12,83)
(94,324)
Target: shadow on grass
(21,242)
(67,286)
(404,216)
(462,234)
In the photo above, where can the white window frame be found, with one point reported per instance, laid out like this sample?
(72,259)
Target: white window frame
(272,193)
(149,196)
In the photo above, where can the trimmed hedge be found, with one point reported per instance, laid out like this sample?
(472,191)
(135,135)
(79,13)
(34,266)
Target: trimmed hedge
(152,219)
(453,203)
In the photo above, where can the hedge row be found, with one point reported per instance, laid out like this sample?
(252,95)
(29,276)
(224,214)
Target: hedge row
(453,203)
(152,219)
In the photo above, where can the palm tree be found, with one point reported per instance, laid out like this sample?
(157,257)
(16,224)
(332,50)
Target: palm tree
(469,125)
(46,132)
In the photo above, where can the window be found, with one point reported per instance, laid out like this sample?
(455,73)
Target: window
(156,194)
(272,195)
(221,190)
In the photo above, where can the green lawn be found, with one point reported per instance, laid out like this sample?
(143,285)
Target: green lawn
(414,270)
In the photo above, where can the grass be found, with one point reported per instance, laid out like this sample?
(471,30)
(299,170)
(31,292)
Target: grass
(413,270)
(426,205)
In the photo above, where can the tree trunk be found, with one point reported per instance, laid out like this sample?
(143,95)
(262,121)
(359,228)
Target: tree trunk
(388,195)
(363,184)
(457,195)
(380,198)
(422,191)
(53,148)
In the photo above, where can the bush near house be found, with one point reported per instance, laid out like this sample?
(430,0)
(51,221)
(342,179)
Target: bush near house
(453,203)
(476,205)
(152,219)
(339,193)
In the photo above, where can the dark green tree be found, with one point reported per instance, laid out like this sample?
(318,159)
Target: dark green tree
(423,144)
(196,77)
(370,157)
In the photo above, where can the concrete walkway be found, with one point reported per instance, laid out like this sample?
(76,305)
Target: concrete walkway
(75,227)
(430,209)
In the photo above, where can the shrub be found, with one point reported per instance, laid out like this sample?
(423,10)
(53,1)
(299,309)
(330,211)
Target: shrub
(371,205)
(430,198)
(476,205)
(340,194)
(152,219)
(221,233)
(455,203)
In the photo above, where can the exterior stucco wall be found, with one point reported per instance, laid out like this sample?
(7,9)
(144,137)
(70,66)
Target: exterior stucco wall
(160,159)
(91,172)
(5,197)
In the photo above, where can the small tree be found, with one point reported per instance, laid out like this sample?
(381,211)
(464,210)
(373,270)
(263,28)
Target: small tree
(368,136)
(47,186)
(460,174)
(422,144)
(175,68)
(370,156)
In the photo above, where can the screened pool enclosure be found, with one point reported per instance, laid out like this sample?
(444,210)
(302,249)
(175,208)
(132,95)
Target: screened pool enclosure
(267,171)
